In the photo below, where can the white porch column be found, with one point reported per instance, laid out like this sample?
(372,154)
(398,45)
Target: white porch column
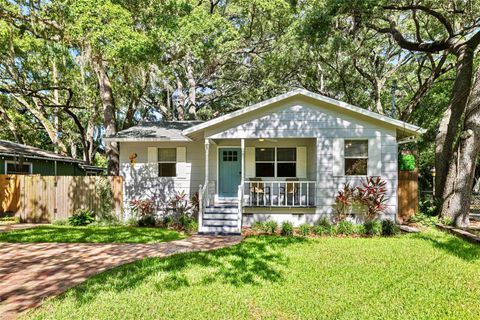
(242,144)
(207,148)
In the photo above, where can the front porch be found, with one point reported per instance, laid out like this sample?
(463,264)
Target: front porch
(261,172)
(243,176)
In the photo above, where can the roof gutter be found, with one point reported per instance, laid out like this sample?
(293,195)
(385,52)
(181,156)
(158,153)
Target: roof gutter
(117,139)
(40,158)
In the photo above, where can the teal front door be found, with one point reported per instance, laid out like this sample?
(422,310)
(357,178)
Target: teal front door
(230,171)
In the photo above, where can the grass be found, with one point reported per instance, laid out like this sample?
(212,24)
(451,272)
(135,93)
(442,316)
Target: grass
(432,275)
(91,234)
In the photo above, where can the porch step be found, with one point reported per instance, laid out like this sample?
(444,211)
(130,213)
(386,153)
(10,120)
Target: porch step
(220,223)
(220,216)
(219,230)
(224,210)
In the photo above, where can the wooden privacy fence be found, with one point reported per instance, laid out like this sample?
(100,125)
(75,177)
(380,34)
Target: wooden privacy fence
(35,198)
(407,194)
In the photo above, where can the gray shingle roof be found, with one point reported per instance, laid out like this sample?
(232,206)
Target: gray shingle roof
(9,148)
(155,131)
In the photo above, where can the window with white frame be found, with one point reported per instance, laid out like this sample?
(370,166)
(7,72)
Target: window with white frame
(286,162)
(275,162)
(167,162)
(12,167)
(356,157)
(265,162)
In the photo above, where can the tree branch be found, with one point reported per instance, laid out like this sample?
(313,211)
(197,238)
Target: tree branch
(440,17)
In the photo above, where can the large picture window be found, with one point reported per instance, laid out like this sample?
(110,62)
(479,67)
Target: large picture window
(356,157)
(167,162)
(275,162)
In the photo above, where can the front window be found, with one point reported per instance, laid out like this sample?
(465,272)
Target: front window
(265,162)
(286,162)
(356,157)
(18,168)
(275,162)
(167,162)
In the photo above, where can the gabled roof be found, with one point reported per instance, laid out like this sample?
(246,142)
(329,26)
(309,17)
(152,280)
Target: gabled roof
(8,148)
(302,92)
(155,131)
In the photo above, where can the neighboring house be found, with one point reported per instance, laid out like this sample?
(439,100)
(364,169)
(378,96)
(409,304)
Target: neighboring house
(17,158)
(284,158)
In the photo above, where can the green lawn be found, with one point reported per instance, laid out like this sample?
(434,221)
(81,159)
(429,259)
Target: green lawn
(425,276)
(91,234)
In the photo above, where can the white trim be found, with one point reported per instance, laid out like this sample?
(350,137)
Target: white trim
(140,139)
(276,162)
(17,162)
(397,123)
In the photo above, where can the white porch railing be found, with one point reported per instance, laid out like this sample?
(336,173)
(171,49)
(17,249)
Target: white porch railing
(279,193)
(240,206)
(202,196)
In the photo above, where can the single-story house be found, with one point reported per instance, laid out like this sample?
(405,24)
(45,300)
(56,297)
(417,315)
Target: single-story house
(18,158)
(284,158)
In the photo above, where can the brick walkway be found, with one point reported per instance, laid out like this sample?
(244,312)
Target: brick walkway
(32,272)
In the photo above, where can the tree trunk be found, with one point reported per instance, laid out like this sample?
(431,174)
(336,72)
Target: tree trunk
(377,96)
(460,178)
(192,91)
(11,125)
(449,124)
(110,123)
(181,99)
(49,128)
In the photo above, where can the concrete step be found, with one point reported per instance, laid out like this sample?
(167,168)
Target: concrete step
(221,210)
(222,216)
(217,223)
(219,230)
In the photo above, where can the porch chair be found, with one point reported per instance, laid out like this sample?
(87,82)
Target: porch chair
(291,192)
(259,191)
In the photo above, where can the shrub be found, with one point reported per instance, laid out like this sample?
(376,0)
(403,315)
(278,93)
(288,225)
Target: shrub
(258,226)
(146,221)
(321,230)
(184,221)
(324,222)
(325,231)
(287,228)
(389,228)
(270,226)
(373,228)
(60,222)
(343,202)
(142,209)
(9,220)
(359,229)
(180,204)
(168,221)
(372,196)
(131,222)
(406,162)
(81,217)
(345,227)
(424,219)
(191,227)
(304,229)
(428,207)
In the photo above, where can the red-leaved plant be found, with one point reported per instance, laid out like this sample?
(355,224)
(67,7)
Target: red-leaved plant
(372,194)
(343,201)
(141,207)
